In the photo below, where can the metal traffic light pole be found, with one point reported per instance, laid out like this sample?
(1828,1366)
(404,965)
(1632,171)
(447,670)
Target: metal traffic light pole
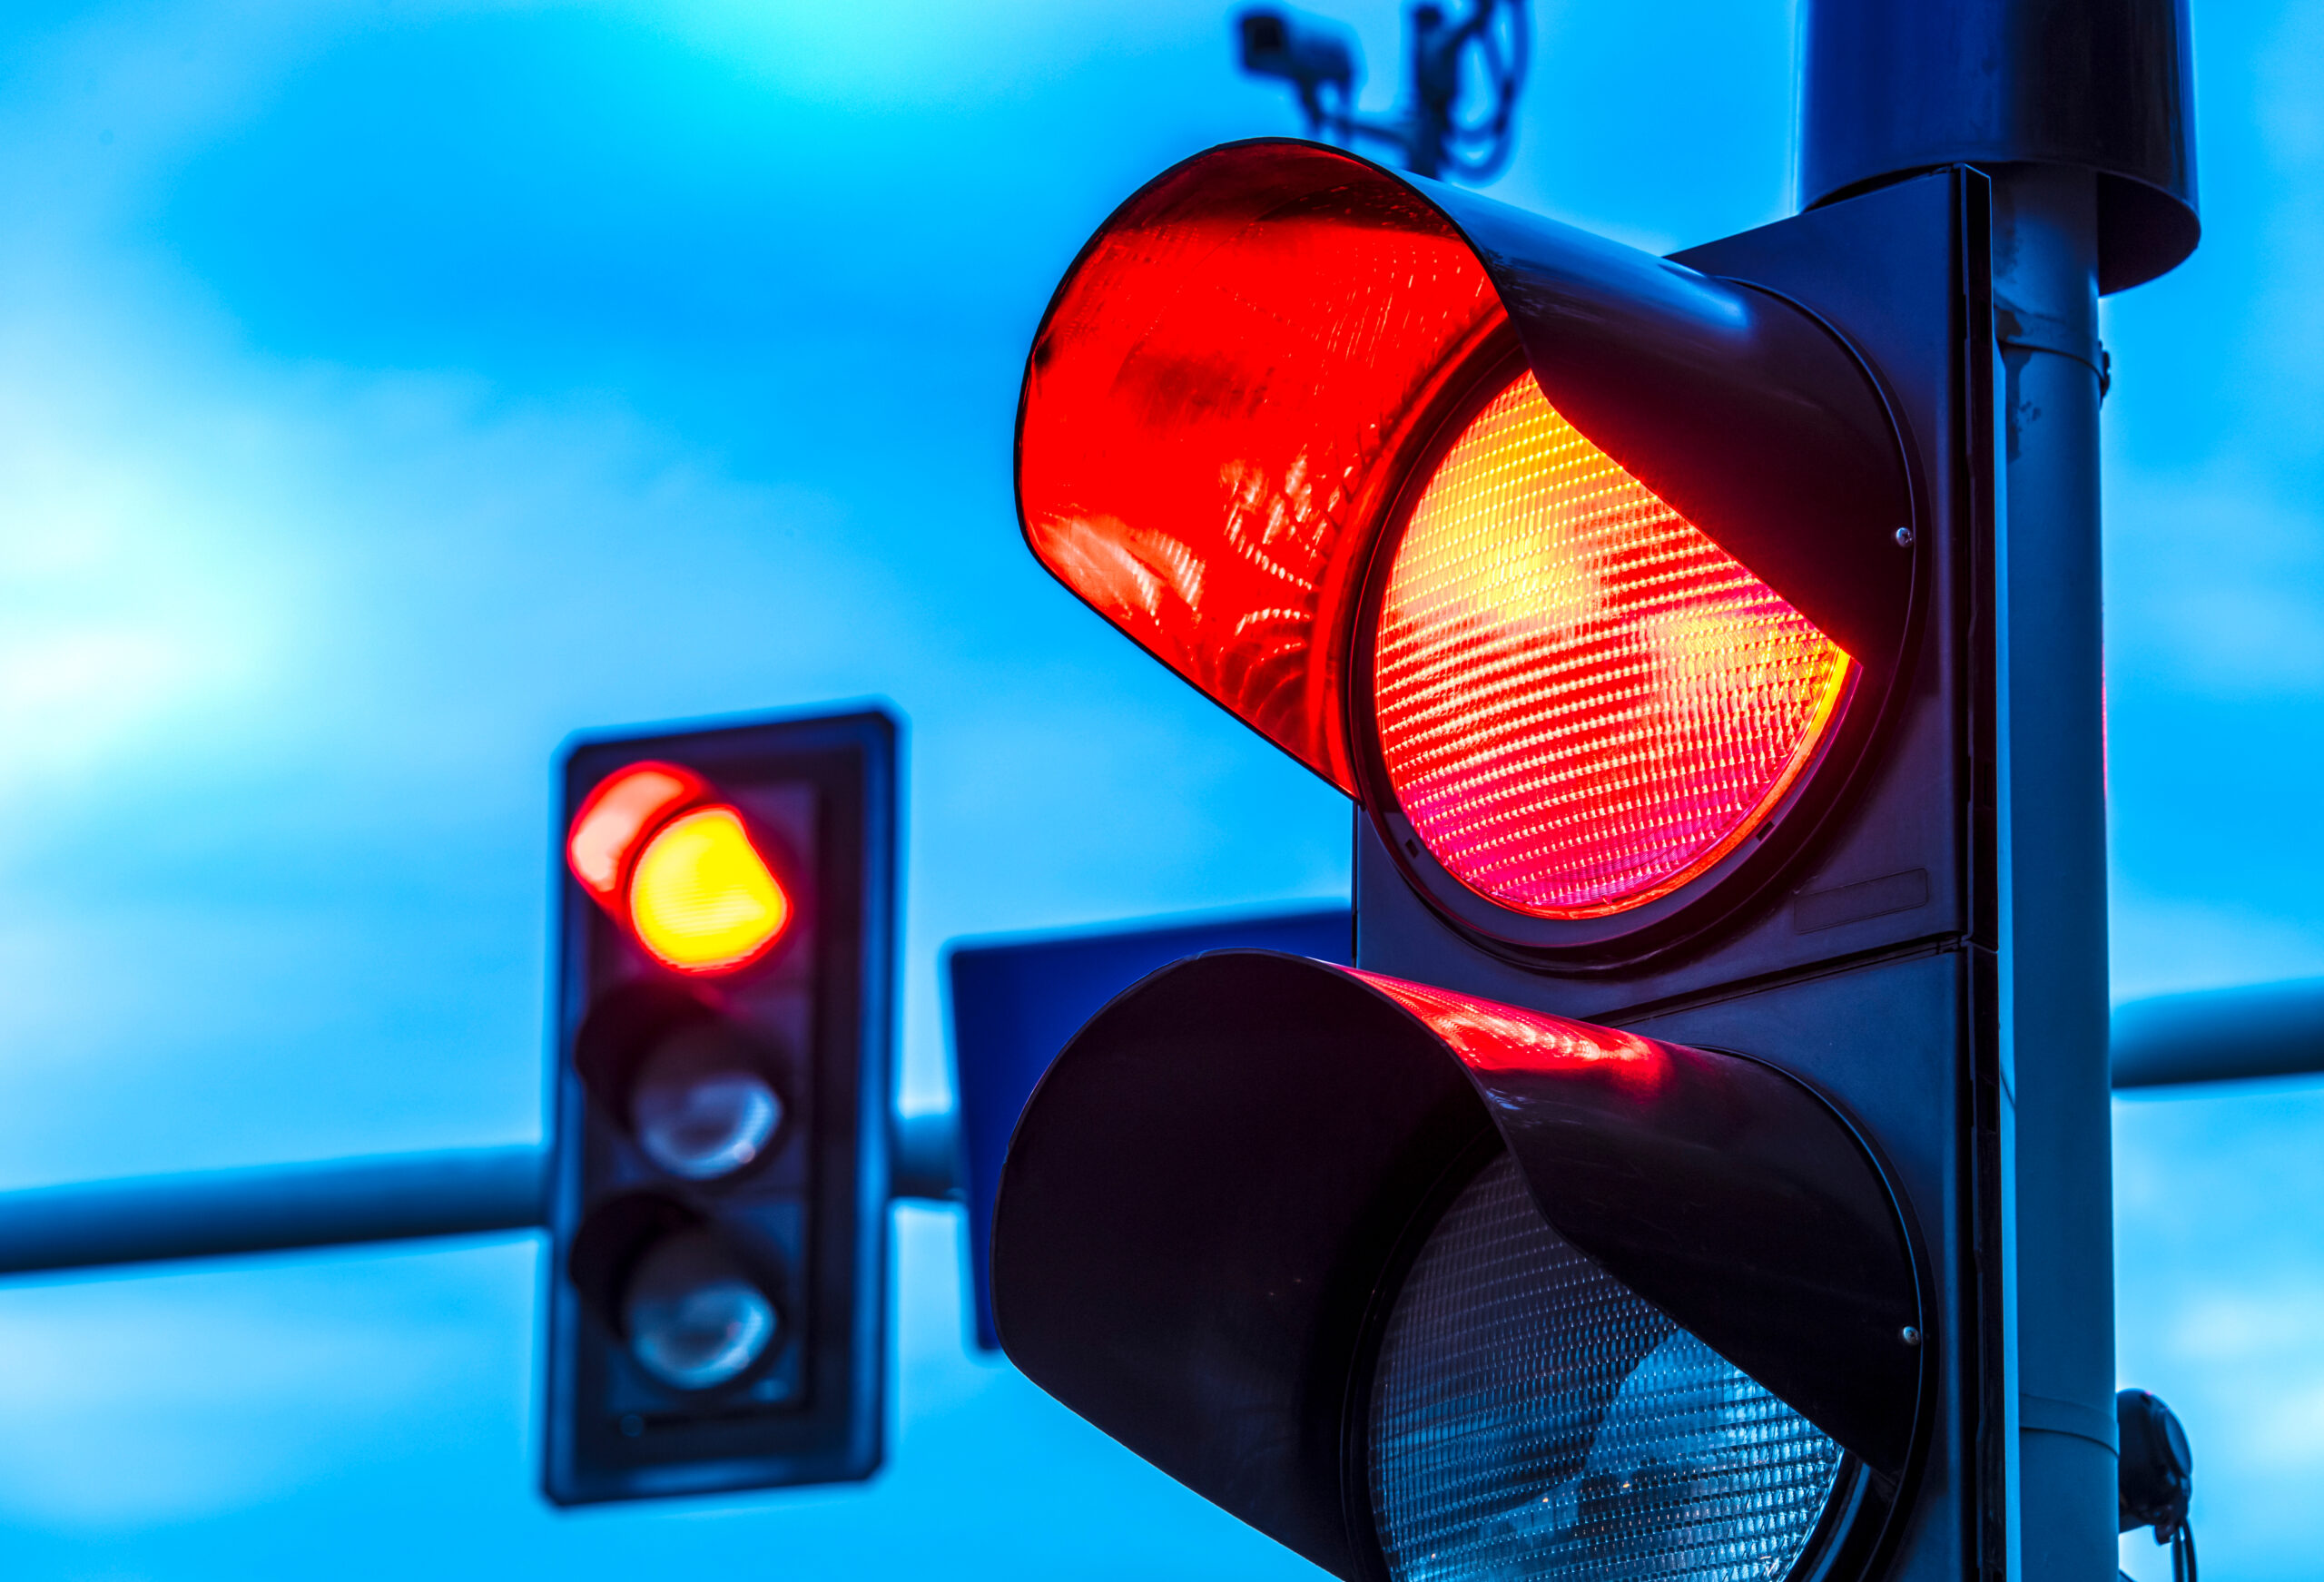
(2052,813)
(2079,111)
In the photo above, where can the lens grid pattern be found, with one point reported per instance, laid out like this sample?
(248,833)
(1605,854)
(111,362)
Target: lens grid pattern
(1532,1417)
(1583,700)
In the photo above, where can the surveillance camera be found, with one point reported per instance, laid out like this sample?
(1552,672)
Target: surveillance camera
(1304,51)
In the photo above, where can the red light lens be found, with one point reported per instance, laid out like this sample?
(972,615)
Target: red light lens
(1215,409)
(614,820)
(1583,701)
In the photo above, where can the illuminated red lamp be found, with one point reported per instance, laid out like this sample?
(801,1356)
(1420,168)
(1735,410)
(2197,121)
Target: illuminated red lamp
(1572,565)
(679,872)
(1584,702)
(617,816)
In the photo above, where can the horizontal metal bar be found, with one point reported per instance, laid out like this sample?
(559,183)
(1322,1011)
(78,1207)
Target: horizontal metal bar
(215,1212)
(2220,1035)
(391,1197)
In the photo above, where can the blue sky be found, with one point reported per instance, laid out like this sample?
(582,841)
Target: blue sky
(387,390)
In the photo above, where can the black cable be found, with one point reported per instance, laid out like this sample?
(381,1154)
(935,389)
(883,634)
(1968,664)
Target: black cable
(2183,1553)
(1334,119)
(1507,79)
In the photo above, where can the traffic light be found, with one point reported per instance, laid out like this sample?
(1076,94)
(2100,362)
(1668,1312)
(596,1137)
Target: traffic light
(720,1167)
(1633,1206)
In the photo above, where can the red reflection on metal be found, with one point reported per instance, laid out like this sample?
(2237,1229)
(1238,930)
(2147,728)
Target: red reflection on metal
(1583,700)
(1214,409)
(615,818)
(1491,1036)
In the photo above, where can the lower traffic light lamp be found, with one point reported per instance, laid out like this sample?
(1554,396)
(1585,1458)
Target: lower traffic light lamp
(1428,1287)
(694,1319)
(694,1311)
(1517,1378)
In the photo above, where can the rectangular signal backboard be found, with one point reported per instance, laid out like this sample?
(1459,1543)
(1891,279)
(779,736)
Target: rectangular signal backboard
(1014,1001)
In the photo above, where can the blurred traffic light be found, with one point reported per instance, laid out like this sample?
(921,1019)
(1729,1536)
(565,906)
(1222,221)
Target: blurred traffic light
(1632,1206)
(720,1167)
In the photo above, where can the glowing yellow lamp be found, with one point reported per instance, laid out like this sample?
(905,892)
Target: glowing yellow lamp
(701,898)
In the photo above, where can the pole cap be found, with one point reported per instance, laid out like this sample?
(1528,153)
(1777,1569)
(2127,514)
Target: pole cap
(1889,90)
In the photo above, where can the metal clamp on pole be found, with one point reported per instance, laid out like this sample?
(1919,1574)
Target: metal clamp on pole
(2157,1479)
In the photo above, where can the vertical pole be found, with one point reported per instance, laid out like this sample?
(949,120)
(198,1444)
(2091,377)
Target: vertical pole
(2079,111)
(2053,857)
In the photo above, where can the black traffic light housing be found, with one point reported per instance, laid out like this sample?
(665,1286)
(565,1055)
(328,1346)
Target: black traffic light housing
(716,1301)
(1232,1169)
(1813,397)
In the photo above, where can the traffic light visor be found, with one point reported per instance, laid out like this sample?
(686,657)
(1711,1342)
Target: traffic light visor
(1215,409)
(1393,1272)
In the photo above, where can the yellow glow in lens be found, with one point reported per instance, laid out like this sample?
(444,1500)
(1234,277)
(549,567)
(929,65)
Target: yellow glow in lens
(702,898)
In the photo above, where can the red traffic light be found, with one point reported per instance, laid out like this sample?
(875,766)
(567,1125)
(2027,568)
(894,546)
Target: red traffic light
(1596,579)
(715,1320)
(686,880)
(1588,576)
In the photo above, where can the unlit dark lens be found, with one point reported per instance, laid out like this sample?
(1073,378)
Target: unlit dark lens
(1531,1417)
(700,1110)
(695,1319)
